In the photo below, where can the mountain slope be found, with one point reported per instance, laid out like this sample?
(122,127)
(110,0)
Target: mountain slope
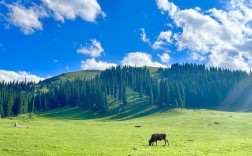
(84,74)
(180,86)
(89,74)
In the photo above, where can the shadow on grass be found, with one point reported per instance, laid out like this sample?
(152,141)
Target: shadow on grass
(136,111)
(75,113)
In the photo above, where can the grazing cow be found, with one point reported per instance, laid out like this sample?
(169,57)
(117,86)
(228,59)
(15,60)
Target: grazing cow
(158,137)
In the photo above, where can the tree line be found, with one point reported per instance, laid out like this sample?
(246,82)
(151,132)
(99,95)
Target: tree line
(210,87)
(182,85)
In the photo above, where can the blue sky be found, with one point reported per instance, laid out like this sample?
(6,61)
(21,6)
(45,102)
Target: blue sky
(44,38)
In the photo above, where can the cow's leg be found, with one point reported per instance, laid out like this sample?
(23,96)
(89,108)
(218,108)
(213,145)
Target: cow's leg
(167,142)
(156,142)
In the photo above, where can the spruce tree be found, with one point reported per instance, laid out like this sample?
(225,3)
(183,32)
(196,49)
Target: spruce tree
(125,103)
(16,109)
(151,97)
(1,107)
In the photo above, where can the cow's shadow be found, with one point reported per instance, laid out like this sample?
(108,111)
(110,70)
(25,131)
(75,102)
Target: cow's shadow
(145,145)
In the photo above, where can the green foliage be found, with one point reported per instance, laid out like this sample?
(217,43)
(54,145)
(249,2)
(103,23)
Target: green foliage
(201,87)
(180,86)
(16,109)
(124,95)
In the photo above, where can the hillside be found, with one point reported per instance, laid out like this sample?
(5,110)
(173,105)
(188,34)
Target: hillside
(195,80)
(88,74)
(84,74)
(120,88)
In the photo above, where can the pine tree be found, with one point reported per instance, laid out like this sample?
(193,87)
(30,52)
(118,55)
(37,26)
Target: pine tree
(151,97)
(16,109)
(7,106)
(1,107)
(120,94)
(125,103)
(31,105)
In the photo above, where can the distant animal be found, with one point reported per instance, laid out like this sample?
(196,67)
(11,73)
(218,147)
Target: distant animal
(137,126)
(158,137)
(216,123)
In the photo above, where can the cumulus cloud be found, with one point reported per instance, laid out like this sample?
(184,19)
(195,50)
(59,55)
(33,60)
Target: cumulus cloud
(163,40)
(165,57)
(92,64)
(214,35)
(144,37)
(8,76)
(197,56)
(140,59)
(87,10)
(233,60)
(167,6)
(28,19)
(93,50)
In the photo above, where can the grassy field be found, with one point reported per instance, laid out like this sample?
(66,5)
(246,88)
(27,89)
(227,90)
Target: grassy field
(70,131)
(71,76)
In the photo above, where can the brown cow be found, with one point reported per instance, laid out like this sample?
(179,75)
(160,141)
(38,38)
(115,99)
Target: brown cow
(158,137)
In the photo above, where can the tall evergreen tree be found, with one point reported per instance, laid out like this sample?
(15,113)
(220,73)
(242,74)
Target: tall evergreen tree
(16,109)
(125,103)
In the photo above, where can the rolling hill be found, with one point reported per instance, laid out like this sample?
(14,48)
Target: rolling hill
(67,117)
(227,89)
(120,89)
(70,76)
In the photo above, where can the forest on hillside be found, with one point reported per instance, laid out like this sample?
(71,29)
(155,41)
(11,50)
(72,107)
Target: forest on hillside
(180,86)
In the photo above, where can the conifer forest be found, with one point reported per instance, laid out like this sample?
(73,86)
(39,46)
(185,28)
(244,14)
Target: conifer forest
(180,86)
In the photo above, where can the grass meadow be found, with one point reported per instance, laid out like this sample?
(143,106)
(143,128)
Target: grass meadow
(70,131)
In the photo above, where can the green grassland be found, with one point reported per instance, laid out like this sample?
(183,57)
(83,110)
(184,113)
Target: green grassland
(71,76)
(71,131)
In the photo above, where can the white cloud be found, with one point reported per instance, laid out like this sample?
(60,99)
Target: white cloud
(197,56)
(144,37)
(26,18)
(92,64)
(165,57)
(28,15)
(93,50)
(163,40)
(87,10)
(166,6)
(200,32)
(139,59)
(215,35)
(233,60)
(8,76)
